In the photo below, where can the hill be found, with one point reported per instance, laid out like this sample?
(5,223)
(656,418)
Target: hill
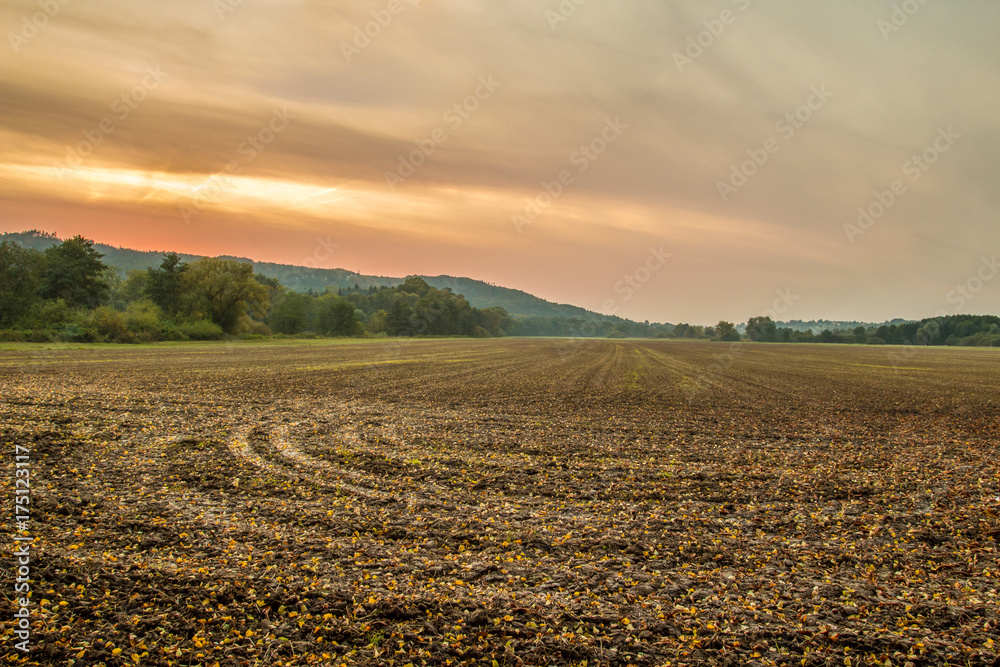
(302,279)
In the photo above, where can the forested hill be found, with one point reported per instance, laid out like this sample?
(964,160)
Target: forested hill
(302,279)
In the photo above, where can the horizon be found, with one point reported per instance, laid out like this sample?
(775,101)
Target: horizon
(737,322)
(684,162)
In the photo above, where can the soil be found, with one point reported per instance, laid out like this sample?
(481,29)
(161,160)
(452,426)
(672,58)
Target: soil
(514,502)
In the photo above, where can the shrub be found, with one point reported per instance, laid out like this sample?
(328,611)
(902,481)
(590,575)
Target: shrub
(142,318)
(981,339)
(170,331)
(54,312)
(202,330)
(253,330)
(11,336)
(74,333)
(39,336)
(110,325)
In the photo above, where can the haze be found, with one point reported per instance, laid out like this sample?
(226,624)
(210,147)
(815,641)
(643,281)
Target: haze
(717,153)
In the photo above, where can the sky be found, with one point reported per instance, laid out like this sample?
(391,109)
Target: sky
(662,160)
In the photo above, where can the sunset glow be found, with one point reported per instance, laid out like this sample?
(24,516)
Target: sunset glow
(526,146)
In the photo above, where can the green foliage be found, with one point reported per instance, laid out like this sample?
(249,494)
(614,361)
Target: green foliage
(74,272)
(54,312)
(252,329)
(74,333)
(726,331)
(290,314)
(338,318)
(20,278)
(144,319)
(109,325)
(201,330)
(397,321)
(967,330)
(163,285)
(223,290)
(762,329)
(415,285)
(496,321)
(377,322)
(126,291)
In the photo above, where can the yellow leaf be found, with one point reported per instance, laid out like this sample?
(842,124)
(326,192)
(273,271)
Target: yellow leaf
(116,651)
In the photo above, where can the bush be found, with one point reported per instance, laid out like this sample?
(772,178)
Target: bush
(981,339)
(11,336)
(54,312)
(110,325)
(254,330)
(170,331)
(74,333)
(142,318)
(874,340)
(39,336)
(202,330)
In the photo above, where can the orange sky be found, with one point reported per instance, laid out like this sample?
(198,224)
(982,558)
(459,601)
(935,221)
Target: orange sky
(275,130)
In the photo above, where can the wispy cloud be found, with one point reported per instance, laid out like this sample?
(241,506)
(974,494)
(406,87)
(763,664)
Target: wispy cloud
(355,117)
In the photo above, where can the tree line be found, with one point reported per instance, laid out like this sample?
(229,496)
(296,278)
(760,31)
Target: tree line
(66,293)
(963,330)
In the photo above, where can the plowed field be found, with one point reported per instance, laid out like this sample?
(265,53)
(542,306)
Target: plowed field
(514,502)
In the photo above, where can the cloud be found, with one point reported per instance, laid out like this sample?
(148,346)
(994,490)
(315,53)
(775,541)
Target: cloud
(357,115)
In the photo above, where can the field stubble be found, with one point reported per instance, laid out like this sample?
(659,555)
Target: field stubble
(525,501)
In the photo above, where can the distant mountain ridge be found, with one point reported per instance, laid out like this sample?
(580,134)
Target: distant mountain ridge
(479,294)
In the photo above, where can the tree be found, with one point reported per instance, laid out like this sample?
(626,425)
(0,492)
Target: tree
(73,272)
(163,285)
(20,278)
(128,290)
(339,319)
(726,331)
(290,314)
(397,322)
(224,290)
(762,329)
(376,321)
(694,331)
(415,285)
(496,320)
